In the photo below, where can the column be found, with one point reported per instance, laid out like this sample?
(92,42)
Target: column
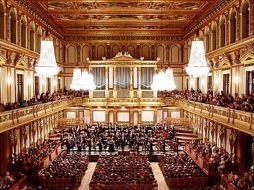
(106,87)
(115,83)
(131,82)
(139,83)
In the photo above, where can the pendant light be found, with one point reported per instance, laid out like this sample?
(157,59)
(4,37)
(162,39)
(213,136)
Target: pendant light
(197,65)
(163,80)
(76,79)
(47,65)
(87,80)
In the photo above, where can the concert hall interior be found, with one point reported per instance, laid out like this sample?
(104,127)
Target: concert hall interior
(127,95)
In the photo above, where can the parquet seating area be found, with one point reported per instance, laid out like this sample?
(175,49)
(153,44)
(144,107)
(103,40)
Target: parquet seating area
(129,172)
(181,171)
(66,171)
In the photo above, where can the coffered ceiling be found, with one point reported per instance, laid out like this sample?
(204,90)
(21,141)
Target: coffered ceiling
(130,17)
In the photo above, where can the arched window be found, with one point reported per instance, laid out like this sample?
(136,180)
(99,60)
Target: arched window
(13,26)
(2,21)
(233,27)
(207,42)
(245,20)
(31,36)
(222,32)
(38,40)
(214,38)
(23,35)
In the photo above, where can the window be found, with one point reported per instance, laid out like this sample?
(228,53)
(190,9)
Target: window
(214,39)
(245,20)
(249,82)
(13,27)
(233,27)
(2,20)
(37,85)
(222,33)
(20,87)
(226,84)
(207,44)
(23,33)
(210,82)
(31,37)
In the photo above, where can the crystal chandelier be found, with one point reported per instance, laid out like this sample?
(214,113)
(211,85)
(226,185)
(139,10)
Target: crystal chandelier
(87,81)
(76,79)
(47,65)
(163,80)
(197,64)
(170,80)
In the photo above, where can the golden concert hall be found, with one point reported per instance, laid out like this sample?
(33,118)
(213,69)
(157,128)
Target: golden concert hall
(126,95)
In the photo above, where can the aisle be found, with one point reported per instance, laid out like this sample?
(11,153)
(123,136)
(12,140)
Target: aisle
(88,176)
(162,185)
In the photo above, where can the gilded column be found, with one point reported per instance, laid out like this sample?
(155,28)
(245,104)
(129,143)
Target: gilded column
(139,83)
(106,83)
(131,82)
(115,83)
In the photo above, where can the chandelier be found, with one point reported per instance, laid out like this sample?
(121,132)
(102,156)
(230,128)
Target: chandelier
(76,79)
(87,81)
(163,80)
(169,76)
(197,65)
(47,65)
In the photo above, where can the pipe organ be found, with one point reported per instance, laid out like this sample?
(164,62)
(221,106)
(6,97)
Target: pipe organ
(123,77)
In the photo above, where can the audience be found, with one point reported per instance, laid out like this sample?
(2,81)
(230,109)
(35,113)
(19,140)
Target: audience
(243,102)
(43,98)
(7,181)
(31,158)
(125,171)
(67,165)
(217,157)
(243,182)
(179,166)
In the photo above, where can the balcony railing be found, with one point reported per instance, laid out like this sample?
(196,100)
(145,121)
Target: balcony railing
(241,120)
(17,116)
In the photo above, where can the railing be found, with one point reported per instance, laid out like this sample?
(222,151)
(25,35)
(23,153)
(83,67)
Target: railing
(233,117)
(132,101)
(17,116)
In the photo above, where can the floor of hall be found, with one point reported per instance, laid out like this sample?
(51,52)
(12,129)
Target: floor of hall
(155,167)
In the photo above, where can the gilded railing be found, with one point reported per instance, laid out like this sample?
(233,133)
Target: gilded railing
(239,119)
(16,116)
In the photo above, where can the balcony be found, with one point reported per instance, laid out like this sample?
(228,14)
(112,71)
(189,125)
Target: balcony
(128,102)
(240,120)
(13,118)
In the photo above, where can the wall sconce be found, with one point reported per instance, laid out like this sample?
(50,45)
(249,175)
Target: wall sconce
(9,80)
